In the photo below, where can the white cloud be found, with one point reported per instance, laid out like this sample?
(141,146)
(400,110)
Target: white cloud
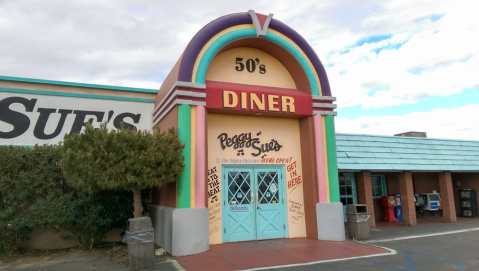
(445,52)
(136,43)
(455,123)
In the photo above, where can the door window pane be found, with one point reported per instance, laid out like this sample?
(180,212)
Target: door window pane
(379,186)
(347,188)
(268,187)
(239,187)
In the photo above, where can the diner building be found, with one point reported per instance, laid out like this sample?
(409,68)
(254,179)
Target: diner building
(251,103)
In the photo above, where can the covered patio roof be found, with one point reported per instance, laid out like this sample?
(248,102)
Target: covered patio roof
(398,153)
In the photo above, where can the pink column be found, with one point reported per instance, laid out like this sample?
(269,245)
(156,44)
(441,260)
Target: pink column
(321,166)
(200,157)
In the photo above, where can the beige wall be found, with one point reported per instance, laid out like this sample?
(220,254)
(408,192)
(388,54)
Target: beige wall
(286,132)
(222,69)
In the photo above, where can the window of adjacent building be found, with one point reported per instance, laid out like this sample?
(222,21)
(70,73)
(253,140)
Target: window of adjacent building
(379,186)
(347,188)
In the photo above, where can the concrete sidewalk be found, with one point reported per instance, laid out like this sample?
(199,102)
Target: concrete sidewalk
(424,227)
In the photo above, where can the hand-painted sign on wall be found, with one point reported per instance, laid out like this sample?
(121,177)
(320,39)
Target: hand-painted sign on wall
(214,204)
(295,179)
(38,119)
(242,141)
(245,99)
(213,185)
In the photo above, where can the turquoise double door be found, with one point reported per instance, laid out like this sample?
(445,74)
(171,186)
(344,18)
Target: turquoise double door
(253,203)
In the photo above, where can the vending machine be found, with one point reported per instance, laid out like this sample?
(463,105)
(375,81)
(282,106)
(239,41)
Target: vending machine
(467,202)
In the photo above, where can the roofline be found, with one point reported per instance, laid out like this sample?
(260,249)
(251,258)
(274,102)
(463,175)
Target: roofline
(75,84)
(411,137)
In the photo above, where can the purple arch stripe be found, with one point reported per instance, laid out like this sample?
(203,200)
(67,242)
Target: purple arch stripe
(202,37)
(301,42)
(208,31)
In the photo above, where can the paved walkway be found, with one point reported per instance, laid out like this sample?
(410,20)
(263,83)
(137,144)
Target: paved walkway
(424,226)
(451,252)
(268,253)
(427,253)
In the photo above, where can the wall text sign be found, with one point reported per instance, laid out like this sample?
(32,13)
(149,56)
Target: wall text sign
(242,141)
(249,65)
(28,119)
(249,99)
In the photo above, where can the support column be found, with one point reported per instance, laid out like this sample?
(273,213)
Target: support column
(321,159)
(407,198)
(447,197)
(365,195)
(201,157)
(332,159)
(329,210)
(183,197)
(310,186)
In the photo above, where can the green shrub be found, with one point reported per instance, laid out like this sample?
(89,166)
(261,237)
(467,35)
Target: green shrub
(102,159)
(34,195)
(89,216)
(30,185)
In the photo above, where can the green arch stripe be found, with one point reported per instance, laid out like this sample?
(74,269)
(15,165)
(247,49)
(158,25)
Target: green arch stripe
(184,135)
(248,33)
(313,84)
(332,159)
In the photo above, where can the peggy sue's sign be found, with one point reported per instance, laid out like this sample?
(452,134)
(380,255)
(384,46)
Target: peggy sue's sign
(38,119)
(259,100)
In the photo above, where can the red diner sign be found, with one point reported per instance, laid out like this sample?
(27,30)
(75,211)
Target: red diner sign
(257,99)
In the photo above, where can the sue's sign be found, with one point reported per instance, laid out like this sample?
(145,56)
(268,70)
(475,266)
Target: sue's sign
(259,100)
(37,119)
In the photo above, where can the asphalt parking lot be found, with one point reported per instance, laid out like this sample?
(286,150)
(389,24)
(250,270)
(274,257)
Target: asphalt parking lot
(457,251)
(446,252)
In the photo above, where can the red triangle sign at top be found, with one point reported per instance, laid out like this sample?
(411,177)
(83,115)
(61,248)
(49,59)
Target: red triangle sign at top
(261,19)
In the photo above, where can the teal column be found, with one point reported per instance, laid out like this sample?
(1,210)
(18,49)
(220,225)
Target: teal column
(332,160)
(184,134)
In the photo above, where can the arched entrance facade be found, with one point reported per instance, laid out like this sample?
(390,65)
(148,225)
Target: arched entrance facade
(252,105)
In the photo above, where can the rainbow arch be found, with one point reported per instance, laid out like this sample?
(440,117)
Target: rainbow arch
(226,29)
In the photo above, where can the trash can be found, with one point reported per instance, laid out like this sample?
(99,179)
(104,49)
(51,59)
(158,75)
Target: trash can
(357,223)
(140,240)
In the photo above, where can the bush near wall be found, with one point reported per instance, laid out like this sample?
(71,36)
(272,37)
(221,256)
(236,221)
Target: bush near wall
(34,195)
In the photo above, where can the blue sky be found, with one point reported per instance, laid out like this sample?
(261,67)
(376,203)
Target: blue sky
(466,97)
(394,65)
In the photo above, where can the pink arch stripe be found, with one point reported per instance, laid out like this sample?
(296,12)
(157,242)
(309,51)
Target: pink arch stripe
(200,157)
(323,187)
